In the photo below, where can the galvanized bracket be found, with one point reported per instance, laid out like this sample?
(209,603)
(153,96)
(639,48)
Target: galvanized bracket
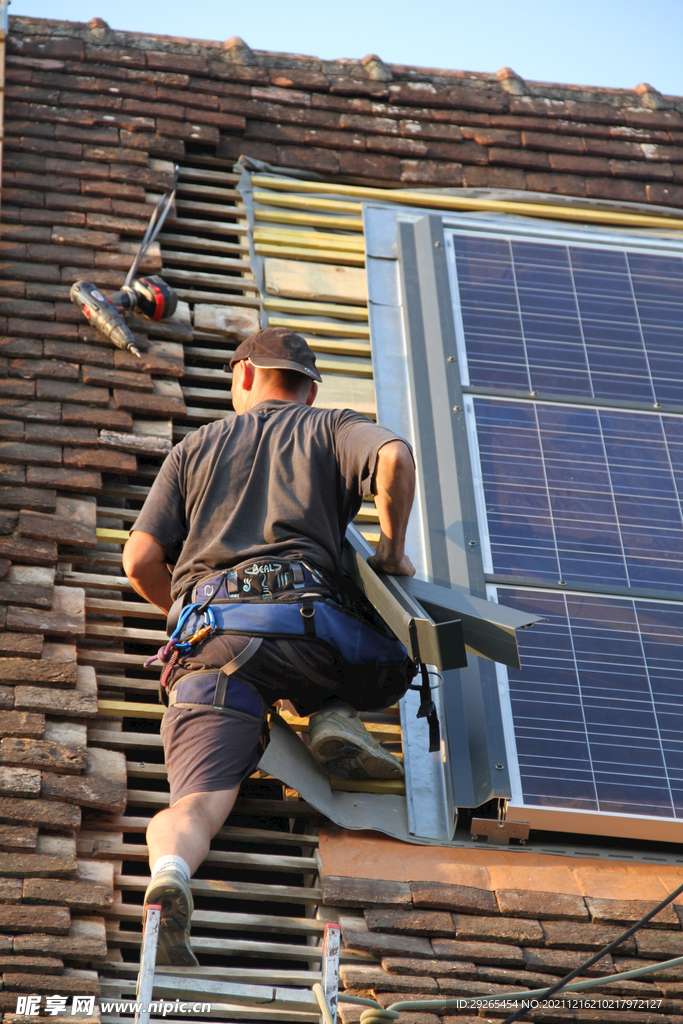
(499,833)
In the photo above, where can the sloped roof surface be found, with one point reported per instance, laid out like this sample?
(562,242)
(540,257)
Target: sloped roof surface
(357,118)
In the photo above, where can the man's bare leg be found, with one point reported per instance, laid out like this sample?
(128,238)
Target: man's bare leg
(178,839)
(187,828)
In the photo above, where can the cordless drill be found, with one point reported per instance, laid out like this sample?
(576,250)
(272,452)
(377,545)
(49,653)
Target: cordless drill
(151,297)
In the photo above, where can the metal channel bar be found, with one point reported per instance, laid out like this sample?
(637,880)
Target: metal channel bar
(478,769)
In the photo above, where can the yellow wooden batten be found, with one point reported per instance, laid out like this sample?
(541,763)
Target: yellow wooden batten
(319,326)
(112,536)
(328,255)
(439,201)
(305,202)
(386,787)
(310,239)
(128,709)
(308,220)
(300,307)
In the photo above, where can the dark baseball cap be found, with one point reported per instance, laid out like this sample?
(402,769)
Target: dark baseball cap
(276,348)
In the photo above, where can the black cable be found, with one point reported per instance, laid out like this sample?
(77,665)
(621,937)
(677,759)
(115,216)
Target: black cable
(598,956)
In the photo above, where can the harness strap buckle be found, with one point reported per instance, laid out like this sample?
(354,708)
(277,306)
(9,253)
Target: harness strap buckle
(307,611)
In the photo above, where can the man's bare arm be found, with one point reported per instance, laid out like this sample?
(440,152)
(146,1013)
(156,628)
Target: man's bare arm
(144,563)
(395,485)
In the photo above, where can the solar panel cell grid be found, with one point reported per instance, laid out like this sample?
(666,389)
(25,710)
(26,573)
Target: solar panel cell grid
(583,495)
(567,319)
(596,704)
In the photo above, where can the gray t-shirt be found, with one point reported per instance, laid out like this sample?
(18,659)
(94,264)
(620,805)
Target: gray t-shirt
(282,480)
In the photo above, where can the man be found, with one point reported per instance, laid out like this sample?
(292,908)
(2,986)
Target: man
(264,498)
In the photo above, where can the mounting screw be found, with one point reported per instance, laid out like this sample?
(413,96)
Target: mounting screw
(437,245)
(473,543)
(499,767)
(456,408)
(141,764)
(533,392)
(450,359)
(656,405)
(562,583)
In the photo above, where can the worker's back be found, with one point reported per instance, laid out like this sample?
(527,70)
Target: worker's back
(282,480)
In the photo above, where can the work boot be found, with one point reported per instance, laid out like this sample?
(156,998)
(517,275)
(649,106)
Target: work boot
(170,890)
(343,746)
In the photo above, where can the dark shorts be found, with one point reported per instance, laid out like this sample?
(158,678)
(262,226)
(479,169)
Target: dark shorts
(209,750)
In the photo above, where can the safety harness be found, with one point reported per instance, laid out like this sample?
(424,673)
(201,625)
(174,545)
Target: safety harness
(287,601)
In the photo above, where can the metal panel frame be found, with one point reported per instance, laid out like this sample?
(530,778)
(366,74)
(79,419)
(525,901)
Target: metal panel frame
(477,755)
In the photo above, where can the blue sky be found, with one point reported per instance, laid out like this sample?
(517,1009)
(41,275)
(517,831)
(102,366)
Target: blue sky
(615,43)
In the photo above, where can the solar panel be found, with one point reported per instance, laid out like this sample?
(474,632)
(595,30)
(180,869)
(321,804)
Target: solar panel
(583,495)
(569,319)
(597,704)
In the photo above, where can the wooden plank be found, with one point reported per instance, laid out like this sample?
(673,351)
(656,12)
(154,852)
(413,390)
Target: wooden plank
(335,256)
(301,307)
(228,298)
(387,787)
(309,220)
(221,281)
(197,206)
(220,920)
(256,807)
(204,174)
(310,239)
(203,415)
(125,633)
(223,889)
(194,242)
(91,656)
(380,732)
(89,579)
(193,259)
(124,740)
(340,392)
(128,683)
(269,975)
(301,202)
(202,373)
(320,326)
(317,282)
(131,609)
(209,191)
(210,226)
(253,861)
(129,709)
(107,536)
(228,947)
(234,833)
(242,947)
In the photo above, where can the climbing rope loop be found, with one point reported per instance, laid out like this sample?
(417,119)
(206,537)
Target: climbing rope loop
(378,1015)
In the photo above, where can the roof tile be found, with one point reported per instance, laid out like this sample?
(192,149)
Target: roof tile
(434,968)
(517,931)
(432,172)
(493,953)
(545,906)
(415,922)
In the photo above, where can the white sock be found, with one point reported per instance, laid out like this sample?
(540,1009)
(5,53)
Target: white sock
(171,861)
